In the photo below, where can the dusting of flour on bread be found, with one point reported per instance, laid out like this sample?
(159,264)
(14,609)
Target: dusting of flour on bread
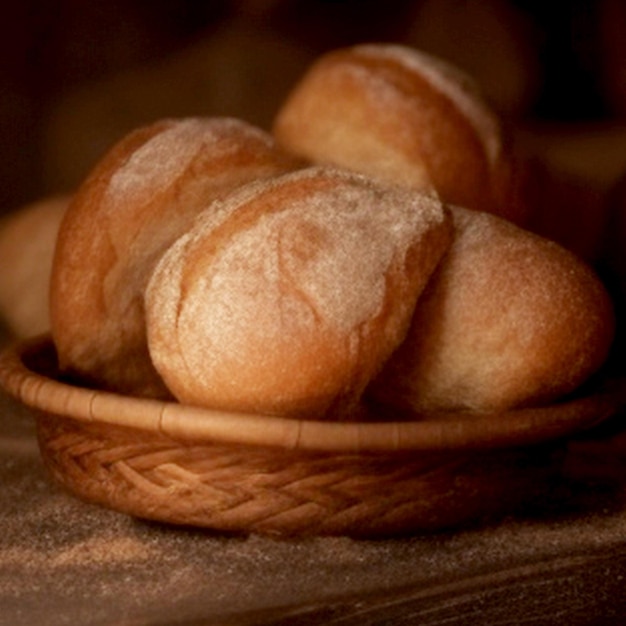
(451,82)
(309,279)
(156,163)
(165,157)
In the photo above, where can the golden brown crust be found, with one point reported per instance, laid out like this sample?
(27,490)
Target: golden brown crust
(287,292)
(404,117)
(288,297)
(509,319)
(143,194)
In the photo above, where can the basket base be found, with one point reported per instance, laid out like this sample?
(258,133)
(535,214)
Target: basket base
(239,488)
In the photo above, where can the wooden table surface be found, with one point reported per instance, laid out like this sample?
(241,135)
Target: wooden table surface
(63,561)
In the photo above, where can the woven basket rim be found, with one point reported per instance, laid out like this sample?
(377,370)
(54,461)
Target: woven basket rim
(39,389)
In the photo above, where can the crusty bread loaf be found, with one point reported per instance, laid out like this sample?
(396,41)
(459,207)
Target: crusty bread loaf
(27,240)
(509,319)
(288,296)
(402,116)
(144,193)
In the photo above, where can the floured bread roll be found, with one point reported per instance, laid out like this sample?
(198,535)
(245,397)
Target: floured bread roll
(402,116)
(288,296)
(27,240)
(509,319)
(143,194)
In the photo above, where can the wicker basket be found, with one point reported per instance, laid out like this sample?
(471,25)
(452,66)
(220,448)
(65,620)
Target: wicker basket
(250,473)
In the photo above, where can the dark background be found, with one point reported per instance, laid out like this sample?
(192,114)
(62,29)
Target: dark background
(75,75)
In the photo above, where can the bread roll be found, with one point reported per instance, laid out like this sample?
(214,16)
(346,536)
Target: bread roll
(404,117)
(143,194)
(509,319)
(287,297)
(27,240)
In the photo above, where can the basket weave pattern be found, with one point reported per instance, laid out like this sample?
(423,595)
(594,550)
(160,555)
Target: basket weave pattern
(247,488)
(250,473)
